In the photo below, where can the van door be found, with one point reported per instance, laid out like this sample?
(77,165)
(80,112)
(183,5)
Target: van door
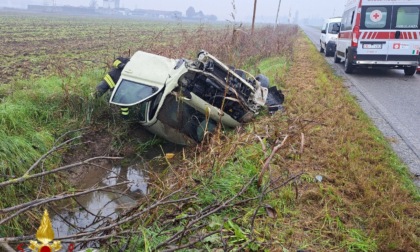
(405,33)
(345,34)
(375,25)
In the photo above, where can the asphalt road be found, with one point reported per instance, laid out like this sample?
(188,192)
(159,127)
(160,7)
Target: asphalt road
(391,100)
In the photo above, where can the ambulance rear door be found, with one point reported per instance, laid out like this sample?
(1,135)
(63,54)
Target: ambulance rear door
(389,33)
(405,33)
(375,25)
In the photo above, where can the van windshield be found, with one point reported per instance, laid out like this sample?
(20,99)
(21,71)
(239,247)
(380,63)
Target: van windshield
(130,93)
(407,17)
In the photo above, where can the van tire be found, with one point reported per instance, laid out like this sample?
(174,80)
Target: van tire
(348,67)
(336,58)
(321,50)
(409,70)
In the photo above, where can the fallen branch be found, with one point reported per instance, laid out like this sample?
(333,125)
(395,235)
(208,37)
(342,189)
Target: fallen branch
(55,148)
(262,143)
(302,143)
(268,160)
(264,193)
(162,201)
(62,168)
(202,215)
(6,247)
(201,238)
(73,238)
(29,205)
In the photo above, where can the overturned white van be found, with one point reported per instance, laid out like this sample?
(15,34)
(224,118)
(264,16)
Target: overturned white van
(180,99)
(380,33)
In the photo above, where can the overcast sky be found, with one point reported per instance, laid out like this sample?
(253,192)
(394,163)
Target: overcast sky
(266,9)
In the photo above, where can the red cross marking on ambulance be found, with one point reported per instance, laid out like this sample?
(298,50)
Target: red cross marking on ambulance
(376,15)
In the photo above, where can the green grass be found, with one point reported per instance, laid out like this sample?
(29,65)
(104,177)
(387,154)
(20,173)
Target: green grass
(366,200)
(34,113)
(38,111)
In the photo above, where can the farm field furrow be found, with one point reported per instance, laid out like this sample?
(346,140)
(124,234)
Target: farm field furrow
(41,44)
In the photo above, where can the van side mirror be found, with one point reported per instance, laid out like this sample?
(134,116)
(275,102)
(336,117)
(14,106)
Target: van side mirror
(323,31)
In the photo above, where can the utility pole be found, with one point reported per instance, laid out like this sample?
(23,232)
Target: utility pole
(278,10)
(253,17)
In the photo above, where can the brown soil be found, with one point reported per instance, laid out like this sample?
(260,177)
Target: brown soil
(95,143)
(99,141)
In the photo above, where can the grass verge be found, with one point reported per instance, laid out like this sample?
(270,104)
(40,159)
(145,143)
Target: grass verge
(366,200)
(334,183)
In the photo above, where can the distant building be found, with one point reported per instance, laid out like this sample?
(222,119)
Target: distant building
(111,4)
(156,14)
(191,14)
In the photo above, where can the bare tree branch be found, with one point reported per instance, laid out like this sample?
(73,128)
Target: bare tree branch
(165,200)
(160,202)
(55,148)
(6,247)
(23,178)
(262,143)
(202,215)
(200,239)
(26,206)
(268,160)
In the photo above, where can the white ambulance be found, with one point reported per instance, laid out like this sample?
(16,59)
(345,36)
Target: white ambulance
(380,33)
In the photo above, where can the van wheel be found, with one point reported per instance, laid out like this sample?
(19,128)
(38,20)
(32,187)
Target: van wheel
(409,70)
(321,50)
(336,58)
(348,67)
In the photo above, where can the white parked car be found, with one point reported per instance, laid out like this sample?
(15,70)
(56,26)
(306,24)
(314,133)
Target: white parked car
(329,34)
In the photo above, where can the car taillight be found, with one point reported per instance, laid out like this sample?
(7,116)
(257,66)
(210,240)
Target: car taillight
(355,36)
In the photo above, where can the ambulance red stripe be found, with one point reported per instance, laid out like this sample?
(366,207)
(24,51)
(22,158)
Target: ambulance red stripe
(364,35)
(385,35)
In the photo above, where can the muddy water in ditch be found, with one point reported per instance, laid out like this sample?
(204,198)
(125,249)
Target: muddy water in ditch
(89,211)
